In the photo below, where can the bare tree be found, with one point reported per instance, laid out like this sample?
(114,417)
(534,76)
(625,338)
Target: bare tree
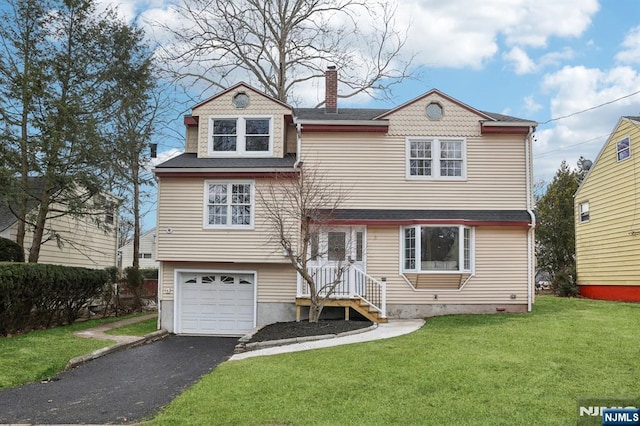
(279,45)
(297,209)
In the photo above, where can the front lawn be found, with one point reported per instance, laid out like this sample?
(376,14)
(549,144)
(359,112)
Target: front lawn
(141,328)
(44,353)
(464,370)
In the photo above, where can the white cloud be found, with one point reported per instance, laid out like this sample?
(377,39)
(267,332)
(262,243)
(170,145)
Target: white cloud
(522,63)
(464,33)
(575,89)
(530,104)
(631,45)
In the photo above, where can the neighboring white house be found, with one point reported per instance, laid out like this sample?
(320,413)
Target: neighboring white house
(147,253)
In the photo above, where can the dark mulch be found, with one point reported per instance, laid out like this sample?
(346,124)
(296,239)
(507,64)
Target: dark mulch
(287,330)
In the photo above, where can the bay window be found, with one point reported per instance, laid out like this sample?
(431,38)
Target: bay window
(429,248)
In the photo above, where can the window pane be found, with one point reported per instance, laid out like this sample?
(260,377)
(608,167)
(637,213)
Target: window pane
(224,135)
(410,248)
(336,246)
(241,194)
(257,127)
(467,249)
(359,245)
(224,127)
(217,215)
(224,143)
(439,248)
(451,149)
(420,158)
(257,143)
(218,194)
(241,215)
(450,168)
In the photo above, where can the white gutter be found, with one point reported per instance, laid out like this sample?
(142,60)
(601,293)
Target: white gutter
(298,144)
(529,124)
(532,225)
(223,170)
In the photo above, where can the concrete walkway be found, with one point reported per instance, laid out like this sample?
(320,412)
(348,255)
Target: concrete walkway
(383,331)
(122,342)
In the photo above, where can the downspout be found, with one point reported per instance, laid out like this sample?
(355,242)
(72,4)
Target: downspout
(532,225)
(298,145)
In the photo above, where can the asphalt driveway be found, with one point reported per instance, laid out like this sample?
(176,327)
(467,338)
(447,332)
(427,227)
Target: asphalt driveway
(125,386)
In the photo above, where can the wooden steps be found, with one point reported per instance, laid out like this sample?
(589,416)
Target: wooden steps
(357,304)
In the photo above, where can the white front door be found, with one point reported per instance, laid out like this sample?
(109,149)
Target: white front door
(337,249)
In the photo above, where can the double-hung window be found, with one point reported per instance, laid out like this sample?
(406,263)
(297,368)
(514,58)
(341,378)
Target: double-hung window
(438,249)
(231,136)
(229,204)
(623,149)
(584,212)
(436,158)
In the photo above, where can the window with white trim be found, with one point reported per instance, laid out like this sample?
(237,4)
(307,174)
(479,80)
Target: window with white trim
(240,136)
(584,212)
(623,149)
(229,204)
(436,158)
(438,249)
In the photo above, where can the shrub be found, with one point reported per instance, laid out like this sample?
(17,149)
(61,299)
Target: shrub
(10,251)
(564,283)
(36,295)
(149,273)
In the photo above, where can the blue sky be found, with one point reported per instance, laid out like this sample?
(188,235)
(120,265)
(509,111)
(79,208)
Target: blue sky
(535,59)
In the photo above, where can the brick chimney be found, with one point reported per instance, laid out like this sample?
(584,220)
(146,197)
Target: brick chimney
(331,90)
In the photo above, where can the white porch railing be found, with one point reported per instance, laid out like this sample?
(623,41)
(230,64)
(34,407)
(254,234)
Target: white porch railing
(353,284)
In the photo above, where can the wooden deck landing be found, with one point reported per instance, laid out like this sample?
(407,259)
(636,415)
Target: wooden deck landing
(358,305)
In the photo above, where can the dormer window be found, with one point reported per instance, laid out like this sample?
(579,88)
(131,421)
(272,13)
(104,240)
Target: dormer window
(231,136)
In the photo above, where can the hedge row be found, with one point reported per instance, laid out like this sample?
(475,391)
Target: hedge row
(36,295)
(10,251)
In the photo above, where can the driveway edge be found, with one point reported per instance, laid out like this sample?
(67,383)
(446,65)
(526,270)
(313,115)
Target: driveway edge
(151,337)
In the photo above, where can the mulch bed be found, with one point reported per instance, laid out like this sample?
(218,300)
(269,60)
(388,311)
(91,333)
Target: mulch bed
(288,330)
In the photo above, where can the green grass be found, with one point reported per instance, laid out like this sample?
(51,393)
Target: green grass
(138,329)
(465,370)
(44,353)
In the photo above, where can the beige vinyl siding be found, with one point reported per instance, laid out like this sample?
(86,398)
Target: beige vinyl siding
(147,245)
(372,168)
(608,245)
(181,211)
(259,105)
(500,268)
(90,247)
(276,282)
(192,139)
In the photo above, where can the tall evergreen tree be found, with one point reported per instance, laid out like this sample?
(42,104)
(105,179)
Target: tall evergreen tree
(555,236)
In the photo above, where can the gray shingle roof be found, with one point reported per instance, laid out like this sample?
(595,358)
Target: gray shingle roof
(402,215)
(371,113)
(342,114)
(191,160)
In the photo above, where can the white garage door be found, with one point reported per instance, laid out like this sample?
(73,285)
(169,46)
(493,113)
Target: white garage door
(216,303)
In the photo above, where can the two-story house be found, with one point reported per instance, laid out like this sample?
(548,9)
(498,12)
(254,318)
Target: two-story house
(438,216)
(88,240)
(607,218)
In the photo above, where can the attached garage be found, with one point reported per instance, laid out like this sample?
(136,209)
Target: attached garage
(215,303)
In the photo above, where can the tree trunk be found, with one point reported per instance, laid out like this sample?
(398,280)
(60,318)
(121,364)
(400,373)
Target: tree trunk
(38,232)
(314,311)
